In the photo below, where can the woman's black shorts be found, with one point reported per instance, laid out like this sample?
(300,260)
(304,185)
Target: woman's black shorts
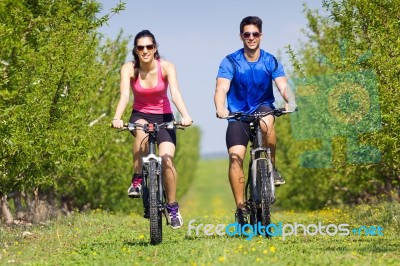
(164,135)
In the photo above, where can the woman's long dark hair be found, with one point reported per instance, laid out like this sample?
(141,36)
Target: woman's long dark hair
(143,33)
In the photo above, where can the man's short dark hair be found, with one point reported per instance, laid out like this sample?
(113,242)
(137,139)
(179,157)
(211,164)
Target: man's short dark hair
(251,20)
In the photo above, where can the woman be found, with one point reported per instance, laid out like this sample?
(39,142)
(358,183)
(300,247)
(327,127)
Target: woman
(149,77)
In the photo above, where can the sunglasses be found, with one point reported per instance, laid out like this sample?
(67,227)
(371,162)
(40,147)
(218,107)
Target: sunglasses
(149,47)
(247,35)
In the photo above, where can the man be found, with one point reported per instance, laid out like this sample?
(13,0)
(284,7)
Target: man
(245,80)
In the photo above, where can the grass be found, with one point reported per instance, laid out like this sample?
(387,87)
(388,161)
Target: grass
(105,238)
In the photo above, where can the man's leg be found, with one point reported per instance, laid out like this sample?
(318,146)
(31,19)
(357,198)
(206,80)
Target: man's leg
(236,174)
(269,135)
(269,140)
(237,181)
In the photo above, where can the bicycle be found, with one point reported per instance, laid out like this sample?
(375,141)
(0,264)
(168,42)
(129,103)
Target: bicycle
(153,193)
(259,188)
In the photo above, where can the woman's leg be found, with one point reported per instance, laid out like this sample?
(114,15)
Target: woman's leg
(167,151)
(140,147)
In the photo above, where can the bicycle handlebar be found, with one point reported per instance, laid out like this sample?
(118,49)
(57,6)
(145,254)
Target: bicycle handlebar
(151,127)
(241,115)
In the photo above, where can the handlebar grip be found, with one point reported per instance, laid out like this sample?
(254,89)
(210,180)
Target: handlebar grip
(124,126)
(179,123)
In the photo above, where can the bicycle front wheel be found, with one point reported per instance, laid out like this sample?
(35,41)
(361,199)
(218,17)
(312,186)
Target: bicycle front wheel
(154,205)
(267,197)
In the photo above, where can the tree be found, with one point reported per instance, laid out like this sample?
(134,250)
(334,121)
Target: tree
(59,87)
(346,78)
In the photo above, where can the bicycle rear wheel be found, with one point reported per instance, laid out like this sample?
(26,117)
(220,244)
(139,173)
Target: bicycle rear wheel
(154,205)
(266,193)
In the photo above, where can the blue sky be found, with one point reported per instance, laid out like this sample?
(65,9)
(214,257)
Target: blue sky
(196,35)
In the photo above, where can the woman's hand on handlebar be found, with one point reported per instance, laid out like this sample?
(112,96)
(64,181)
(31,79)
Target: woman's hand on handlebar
(117,123)
(186,121)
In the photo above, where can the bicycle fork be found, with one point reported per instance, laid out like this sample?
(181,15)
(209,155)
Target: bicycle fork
(270,175)
(145,166)
(256,158)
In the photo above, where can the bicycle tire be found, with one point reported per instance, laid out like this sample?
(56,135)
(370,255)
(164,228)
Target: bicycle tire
(266,194)
(250,196)
(154,205)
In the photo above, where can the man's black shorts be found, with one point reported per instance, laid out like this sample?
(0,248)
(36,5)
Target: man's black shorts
(238,132)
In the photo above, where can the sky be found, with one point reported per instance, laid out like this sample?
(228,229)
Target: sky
(196,35)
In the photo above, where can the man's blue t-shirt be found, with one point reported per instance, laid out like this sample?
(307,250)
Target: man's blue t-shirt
(251,82)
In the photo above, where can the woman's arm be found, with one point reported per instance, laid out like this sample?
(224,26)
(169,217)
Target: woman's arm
(125,76)
(176,95)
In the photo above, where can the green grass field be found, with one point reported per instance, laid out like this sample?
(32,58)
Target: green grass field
(104,238)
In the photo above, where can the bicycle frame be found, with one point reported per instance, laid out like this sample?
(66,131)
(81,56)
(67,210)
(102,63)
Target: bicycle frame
(260,181)
(153,193)
(152,135)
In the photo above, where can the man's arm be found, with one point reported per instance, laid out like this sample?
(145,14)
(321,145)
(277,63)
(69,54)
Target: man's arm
(287,93)
(221,89)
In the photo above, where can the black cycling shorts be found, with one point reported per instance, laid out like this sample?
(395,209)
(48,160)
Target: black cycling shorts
(164,135)
(238,132)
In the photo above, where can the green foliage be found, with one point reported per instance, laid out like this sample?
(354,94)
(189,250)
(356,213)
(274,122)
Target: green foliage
(49,52)
(356,37)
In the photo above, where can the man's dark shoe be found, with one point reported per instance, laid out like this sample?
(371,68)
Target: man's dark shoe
(241,216)
(146,213)
(278,179)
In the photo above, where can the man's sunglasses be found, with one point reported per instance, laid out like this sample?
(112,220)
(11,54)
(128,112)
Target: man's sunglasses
(247,35)
(149,47)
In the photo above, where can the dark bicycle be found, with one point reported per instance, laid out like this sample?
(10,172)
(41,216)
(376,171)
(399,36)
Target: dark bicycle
(260,188)
(153,193)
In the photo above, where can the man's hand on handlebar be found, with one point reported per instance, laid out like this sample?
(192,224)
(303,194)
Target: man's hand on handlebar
(290,107)
(222,113)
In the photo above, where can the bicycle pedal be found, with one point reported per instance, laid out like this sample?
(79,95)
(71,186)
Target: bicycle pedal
(165,215)
(135,196)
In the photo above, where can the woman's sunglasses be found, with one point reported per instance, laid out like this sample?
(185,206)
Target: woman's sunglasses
(247,35)
(149,47)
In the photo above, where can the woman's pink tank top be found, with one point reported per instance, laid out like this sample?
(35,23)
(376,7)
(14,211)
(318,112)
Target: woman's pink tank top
(151,100)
